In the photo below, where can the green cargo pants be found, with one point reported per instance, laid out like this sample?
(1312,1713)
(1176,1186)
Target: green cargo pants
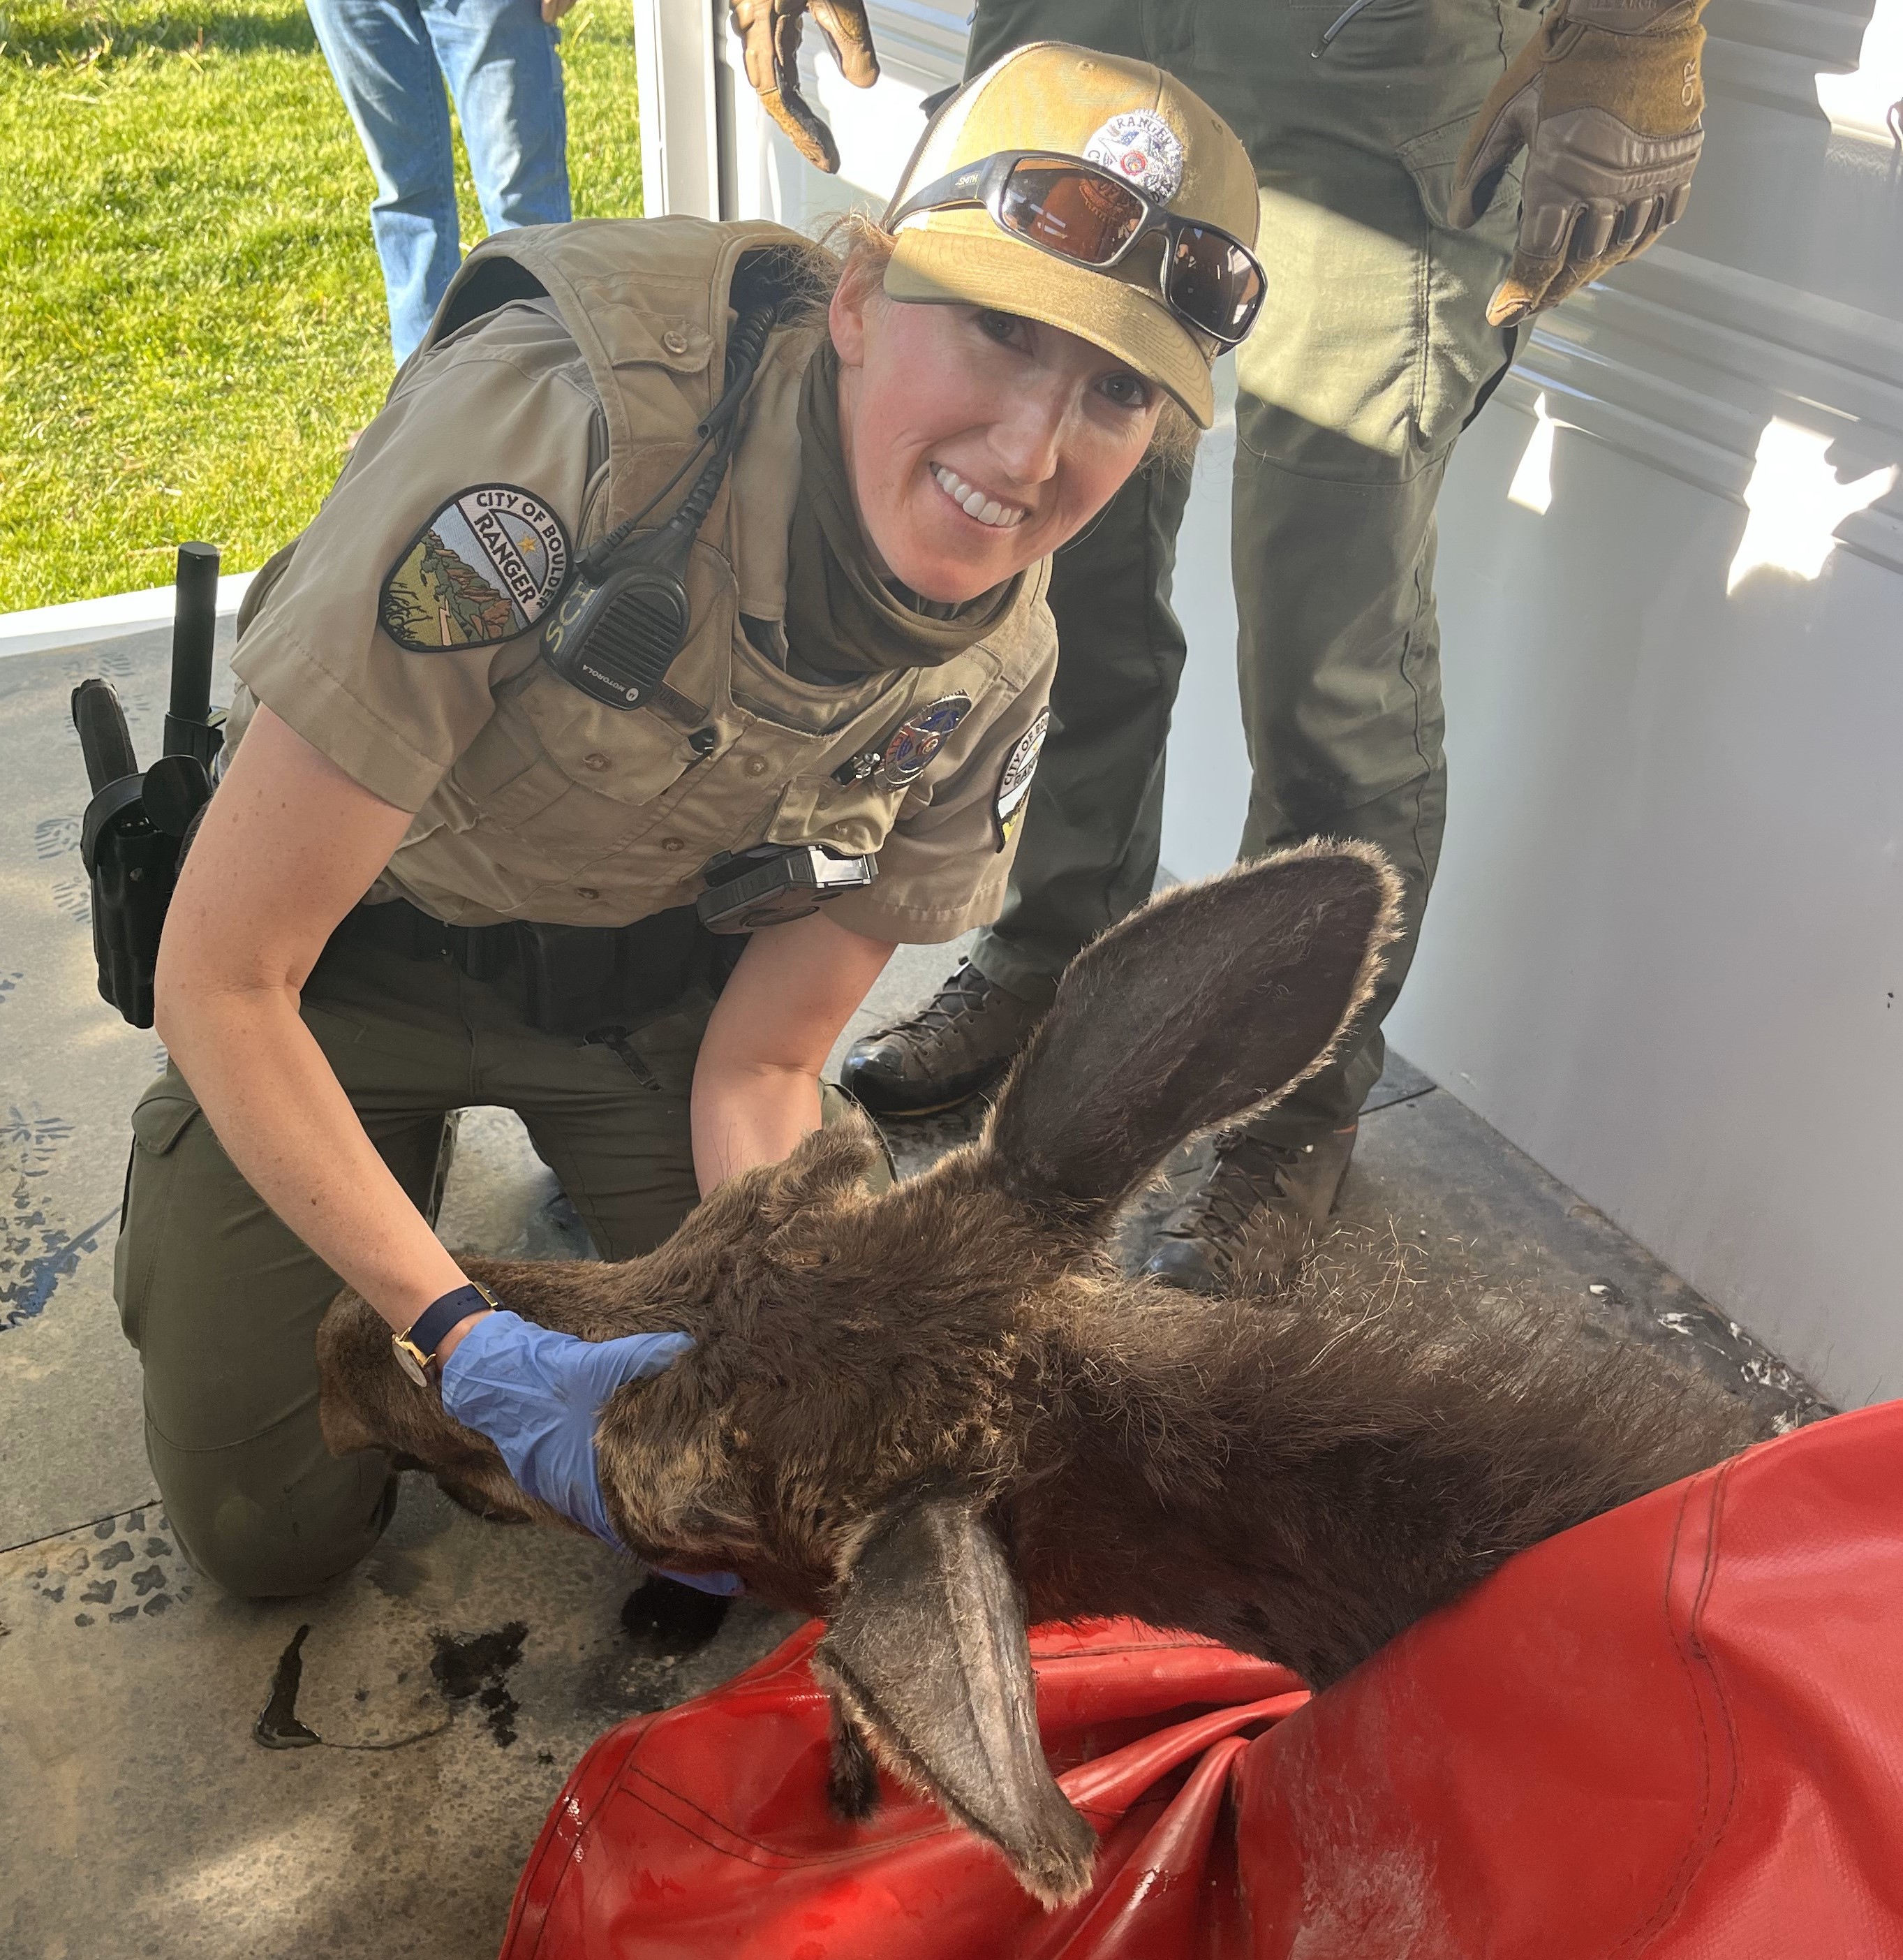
(223,1301)
(1372,354)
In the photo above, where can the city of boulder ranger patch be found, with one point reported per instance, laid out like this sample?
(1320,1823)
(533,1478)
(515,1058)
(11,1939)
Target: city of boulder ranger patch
(485,568)
(1014,785)
(912,745)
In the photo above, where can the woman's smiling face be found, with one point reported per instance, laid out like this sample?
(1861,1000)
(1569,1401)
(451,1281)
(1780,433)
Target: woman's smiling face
(978,442)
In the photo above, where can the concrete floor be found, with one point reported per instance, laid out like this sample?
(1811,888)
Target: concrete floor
(465,1666)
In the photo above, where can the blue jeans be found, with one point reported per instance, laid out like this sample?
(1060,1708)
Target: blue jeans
(390,59)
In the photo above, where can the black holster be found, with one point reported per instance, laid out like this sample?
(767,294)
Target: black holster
(583,982)
(132,866)
(138,826)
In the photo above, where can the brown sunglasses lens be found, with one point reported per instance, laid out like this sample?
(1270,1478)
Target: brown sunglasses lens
(1211,281)
(1208,278)
(1081,216)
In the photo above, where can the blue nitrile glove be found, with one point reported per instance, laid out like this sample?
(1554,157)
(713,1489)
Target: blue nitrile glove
(537,1396)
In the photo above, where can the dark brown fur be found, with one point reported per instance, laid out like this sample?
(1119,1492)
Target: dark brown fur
(897,1405)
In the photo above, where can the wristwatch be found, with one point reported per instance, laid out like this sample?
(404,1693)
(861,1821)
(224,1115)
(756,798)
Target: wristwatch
(416,1348)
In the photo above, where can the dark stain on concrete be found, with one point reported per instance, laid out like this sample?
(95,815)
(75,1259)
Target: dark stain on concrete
(466,1665)
(278,1727)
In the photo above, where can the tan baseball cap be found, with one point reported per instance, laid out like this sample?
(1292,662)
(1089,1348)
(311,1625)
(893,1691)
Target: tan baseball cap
(1126,117)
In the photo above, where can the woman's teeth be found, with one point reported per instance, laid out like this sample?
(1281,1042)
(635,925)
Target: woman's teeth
(975,503)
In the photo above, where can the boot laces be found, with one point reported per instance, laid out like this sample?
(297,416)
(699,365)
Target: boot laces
(966,992)
(1246,1176)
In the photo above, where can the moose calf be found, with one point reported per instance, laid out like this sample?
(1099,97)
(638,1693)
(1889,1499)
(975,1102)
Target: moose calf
(930,1414)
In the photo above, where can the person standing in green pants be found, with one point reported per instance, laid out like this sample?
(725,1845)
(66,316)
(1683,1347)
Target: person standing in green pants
(1403,247)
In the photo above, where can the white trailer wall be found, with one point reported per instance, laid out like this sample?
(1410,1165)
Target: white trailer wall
(1666,950)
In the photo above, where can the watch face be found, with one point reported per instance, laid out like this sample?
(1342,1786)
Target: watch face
(409,1360)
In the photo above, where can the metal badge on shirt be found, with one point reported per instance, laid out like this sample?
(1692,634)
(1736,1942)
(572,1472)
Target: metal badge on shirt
(486,566)
(910,748)
(1014,785)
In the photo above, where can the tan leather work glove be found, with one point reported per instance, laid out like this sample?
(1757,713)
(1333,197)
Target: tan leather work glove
(553,9)
(769,30)
(1605,99)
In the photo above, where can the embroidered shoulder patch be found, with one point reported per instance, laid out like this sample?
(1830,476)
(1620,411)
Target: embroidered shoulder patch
(1014,785)
(1143,150)
(485,568)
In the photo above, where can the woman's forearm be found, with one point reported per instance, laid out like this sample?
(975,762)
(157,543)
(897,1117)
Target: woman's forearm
(284,1121)
(748,1113)
(756,1080)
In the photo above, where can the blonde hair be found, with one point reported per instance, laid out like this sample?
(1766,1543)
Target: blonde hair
(860,248)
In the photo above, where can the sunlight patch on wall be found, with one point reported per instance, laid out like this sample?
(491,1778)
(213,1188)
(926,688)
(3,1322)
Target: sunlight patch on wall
(1532,481)
(1797,503)
(1863,102)
(873,127)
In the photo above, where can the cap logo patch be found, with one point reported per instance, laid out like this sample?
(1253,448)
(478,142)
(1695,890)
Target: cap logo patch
(915,741)
(1143,150)
(486,566)
(1014,785)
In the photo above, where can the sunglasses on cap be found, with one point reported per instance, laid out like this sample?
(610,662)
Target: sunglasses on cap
(1073,210)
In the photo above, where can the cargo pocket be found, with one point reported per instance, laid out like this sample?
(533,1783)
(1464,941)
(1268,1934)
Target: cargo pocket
(1464,358)
(161,1118)
(1429,160)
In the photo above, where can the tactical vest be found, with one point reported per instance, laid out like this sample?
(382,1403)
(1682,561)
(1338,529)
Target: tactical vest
(569,811)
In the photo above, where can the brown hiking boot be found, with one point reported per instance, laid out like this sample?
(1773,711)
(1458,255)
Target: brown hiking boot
(961,1041)
(1255,1213)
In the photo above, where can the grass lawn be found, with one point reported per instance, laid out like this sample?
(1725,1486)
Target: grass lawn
(192,319)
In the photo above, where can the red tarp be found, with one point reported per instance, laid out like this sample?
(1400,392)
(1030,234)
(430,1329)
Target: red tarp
(1676,1731)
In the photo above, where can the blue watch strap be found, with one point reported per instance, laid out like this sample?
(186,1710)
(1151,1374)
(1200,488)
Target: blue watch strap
(425,1333)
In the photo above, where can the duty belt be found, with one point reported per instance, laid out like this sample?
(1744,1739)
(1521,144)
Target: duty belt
(588,983)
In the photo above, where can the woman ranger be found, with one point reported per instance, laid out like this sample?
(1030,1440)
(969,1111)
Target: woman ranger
(650,612)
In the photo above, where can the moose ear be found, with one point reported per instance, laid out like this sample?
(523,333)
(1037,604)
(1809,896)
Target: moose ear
(1212,999)
(925,1649)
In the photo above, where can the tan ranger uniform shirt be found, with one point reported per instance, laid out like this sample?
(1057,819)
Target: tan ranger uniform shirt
(531,800)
